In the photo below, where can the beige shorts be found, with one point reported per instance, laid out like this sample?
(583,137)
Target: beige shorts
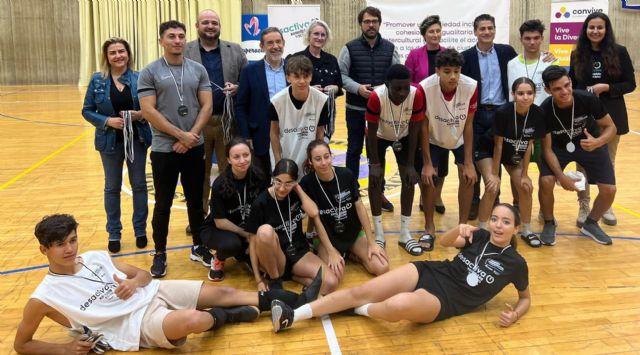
(172,295)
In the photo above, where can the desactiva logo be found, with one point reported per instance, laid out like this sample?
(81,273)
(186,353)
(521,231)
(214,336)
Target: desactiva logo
(563,13)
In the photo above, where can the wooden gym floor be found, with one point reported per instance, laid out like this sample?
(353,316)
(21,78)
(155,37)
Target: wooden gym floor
(585,296)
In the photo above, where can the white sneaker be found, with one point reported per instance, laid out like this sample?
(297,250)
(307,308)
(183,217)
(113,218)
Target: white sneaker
(583,213)
(609,218)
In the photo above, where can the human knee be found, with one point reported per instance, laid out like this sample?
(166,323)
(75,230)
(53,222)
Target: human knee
(547,182)
(194,320)
(607,190)
(378,268)
(265,234)
(329,282)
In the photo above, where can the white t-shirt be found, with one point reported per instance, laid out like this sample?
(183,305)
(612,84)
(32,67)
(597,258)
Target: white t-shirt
(88,298)
(533,70)
(297,127)
(447,118)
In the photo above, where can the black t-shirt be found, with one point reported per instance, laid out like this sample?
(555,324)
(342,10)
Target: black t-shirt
(323,120)
(265,211)
(431,57)
(504,126)
(228,206)
(587,109)
(497,268)
(349,194)
(121,101)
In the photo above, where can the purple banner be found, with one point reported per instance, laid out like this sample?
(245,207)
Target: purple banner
(564,33)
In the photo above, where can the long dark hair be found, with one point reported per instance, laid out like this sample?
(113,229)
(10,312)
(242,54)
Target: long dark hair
(581,55)
(253,174)
(308,166)
(516,222)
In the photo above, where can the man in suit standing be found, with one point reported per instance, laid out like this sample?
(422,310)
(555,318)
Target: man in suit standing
(486,62)
(259,81)
(223,61)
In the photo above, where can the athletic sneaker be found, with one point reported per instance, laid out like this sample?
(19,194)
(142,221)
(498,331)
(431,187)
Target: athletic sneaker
(583,213)
(387,206)
(310,292)
(596,233)
(242,314)
(609,218)
(548,235)
(281,315)
(216,273)
(201,254)
(159,266)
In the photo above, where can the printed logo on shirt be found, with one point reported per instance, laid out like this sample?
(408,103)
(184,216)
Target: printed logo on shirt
(495,266)
(452,121)
(105,292)
(343,196)
(482,275)
(333,211)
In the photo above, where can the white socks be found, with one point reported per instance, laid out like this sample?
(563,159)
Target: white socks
(303,312)
(377,228)
(405,235)
(526,229)
(362,310)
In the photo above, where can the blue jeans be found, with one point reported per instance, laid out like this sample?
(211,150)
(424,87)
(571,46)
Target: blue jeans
(112,163)
(355,139)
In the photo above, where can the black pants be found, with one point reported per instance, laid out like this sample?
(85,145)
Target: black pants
(226,243)
(166,167)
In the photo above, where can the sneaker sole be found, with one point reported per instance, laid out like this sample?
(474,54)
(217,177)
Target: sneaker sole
(276,313)
(199,259)
(586,232)
(215,279)
(548,244)
(386,209)
(609,222)
(157,276)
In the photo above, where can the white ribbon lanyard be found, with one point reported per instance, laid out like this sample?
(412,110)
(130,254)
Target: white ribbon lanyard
(181,89)
(570,146)
(128,133)
(242,202)
(337,215)
(454,129)
(526,67)
(524,126)
(288,231)
(396,128)
(228,114)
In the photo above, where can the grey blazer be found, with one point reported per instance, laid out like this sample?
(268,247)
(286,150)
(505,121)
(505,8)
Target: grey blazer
(233,58)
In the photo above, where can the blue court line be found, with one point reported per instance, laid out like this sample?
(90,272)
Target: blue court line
(30,268)
(43,122)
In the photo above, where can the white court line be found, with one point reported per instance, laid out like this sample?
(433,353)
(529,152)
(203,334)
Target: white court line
(334,347)
(634,132)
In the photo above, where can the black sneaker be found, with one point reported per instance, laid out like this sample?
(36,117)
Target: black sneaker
(281,315)
(387,206)
(596,233)
(114,246)
(141,242)
(548,235)
(201,254)
(159,266)
(310,292)
(216,272)
(242,314)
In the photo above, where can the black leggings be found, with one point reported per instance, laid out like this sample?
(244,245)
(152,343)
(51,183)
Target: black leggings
(226,243)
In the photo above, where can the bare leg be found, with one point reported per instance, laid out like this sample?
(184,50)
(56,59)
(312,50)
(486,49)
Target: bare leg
(375,265)
(418,306)
(547,183)
(402,279)
(489,197)
(270,257)
(525,198)
(375,199)
(178,324)
(427,193)
(606,195)
(224,296)
(438,192)
(307,268)
(465,195)
(406,193)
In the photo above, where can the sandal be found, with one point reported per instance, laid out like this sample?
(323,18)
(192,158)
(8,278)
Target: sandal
(427,242)
(532,240)
(381,243)
(412,247)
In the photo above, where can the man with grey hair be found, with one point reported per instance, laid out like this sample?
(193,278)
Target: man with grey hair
(259,81)
(223,61)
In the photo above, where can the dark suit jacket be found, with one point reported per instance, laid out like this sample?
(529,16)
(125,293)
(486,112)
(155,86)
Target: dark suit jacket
(252,106)
(471,67)
(233,58)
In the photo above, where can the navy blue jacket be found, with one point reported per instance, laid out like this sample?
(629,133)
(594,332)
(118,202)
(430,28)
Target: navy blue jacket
(97,108)
(252,106)
(471,67)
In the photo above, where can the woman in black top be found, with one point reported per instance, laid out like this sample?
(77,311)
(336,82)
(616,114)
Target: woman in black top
(122,135)
(604,68)
(335,191)
(516,126)
(428,291)
(278,247)
(232,194)
(326,72)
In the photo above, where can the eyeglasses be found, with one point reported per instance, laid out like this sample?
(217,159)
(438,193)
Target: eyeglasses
(371,22)
(287,185)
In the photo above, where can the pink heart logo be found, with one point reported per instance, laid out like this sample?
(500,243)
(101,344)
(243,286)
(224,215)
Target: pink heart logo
(252,23)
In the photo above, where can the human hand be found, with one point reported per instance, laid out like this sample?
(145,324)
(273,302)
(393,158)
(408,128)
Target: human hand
(590,143)
(568,183)
(526,184)
(78,347)
(508,316)
(466,231)
(493,183)
(427,174)
(365,90)
(189,139)
(179,148)
(469,174)
(115,122)
(126,288)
